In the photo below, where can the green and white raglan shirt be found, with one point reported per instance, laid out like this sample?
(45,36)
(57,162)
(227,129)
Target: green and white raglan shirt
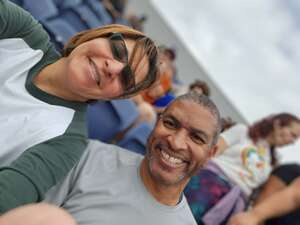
(41,136)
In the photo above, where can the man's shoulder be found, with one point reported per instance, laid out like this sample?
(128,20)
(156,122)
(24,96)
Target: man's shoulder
(108,154)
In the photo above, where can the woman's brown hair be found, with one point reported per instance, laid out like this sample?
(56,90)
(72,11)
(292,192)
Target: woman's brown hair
(263,128)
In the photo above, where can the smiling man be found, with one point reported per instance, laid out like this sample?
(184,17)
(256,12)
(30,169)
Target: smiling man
(113,186)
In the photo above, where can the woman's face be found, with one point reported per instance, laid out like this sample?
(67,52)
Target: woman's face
(94,73)
(286,135)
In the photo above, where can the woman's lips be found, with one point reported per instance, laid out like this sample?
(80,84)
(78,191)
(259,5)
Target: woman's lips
(94,72)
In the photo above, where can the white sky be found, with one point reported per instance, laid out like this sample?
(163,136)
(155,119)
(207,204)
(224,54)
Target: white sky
(251,48)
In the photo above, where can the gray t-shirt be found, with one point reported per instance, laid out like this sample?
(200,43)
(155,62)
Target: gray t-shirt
(106,188)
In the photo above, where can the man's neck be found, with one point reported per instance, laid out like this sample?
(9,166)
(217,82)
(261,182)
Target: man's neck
(165,194)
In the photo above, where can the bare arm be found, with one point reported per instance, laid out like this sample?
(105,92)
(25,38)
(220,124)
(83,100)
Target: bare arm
(272,186)
(276,205)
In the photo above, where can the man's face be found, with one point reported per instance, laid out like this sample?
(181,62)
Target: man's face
(180,143)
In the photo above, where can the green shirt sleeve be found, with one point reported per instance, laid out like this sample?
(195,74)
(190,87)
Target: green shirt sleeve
(38,169)
(15,22)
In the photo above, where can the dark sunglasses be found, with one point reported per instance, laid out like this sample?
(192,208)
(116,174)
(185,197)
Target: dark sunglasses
(120,53)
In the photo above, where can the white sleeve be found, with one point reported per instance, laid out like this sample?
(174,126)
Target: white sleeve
(234,134)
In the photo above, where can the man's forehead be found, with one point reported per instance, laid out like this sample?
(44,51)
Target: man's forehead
(192,114)
(184,108)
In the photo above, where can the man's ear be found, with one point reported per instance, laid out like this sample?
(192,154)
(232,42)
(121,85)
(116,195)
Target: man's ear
(213,151)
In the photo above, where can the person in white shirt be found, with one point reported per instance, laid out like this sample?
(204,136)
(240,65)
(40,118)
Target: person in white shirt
(245,161)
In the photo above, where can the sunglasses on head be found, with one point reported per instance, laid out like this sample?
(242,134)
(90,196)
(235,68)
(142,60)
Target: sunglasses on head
(120,53)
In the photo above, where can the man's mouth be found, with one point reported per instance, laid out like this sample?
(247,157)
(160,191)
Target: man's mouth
(170,159)
(95,73)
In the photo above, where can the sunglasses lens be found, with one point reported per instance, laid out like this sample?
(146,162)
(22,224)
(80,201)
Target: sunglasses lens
(120,53)
(118,48)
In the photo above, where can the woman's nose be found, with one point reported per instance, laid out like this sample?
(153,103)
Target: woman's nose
(113,68)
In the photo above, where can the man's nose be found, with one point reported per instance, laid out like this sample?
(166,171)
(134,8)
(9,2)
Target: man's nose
(178,140)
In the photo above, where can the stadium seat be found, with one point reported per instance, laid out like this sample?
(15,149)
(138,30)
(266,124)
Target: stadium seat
(135,139)
(164,100)
(40,10)
(59,30)
(74,18)
(105,119)
(64,4)
(100,11)
(88,15)
(123,22)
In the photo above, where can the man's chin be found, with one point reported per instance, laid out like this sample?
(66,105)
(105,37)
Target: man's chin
(165,178)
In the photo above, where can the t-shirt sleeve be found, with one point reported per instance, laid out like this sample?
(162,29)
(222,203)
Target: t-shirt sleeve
(15,22)
(234,134)
(38,169)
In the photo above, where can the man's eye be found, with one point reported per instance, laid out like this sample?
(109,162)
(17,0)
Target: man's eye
(198,139)
(169,124)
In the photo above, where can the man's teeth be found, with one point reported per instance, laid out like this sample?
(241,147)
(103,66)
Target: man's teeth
(171,159)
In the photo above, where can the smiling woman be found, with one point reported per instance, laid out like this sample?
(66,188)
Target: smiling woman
(44,95)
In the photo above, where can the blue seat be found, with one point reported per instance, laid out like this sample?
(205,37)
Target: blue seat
(88,15)
(64,4)
(105,119)
(41,10)
(74,18)
(100,11)
(59,30)
(135,139)
(164,100)
(123,21)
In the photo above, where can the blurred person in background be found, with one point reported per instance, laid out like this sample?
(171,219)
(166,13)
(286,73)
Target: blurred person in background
(279,208)
(246,156)
(199,86)
(282,176)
